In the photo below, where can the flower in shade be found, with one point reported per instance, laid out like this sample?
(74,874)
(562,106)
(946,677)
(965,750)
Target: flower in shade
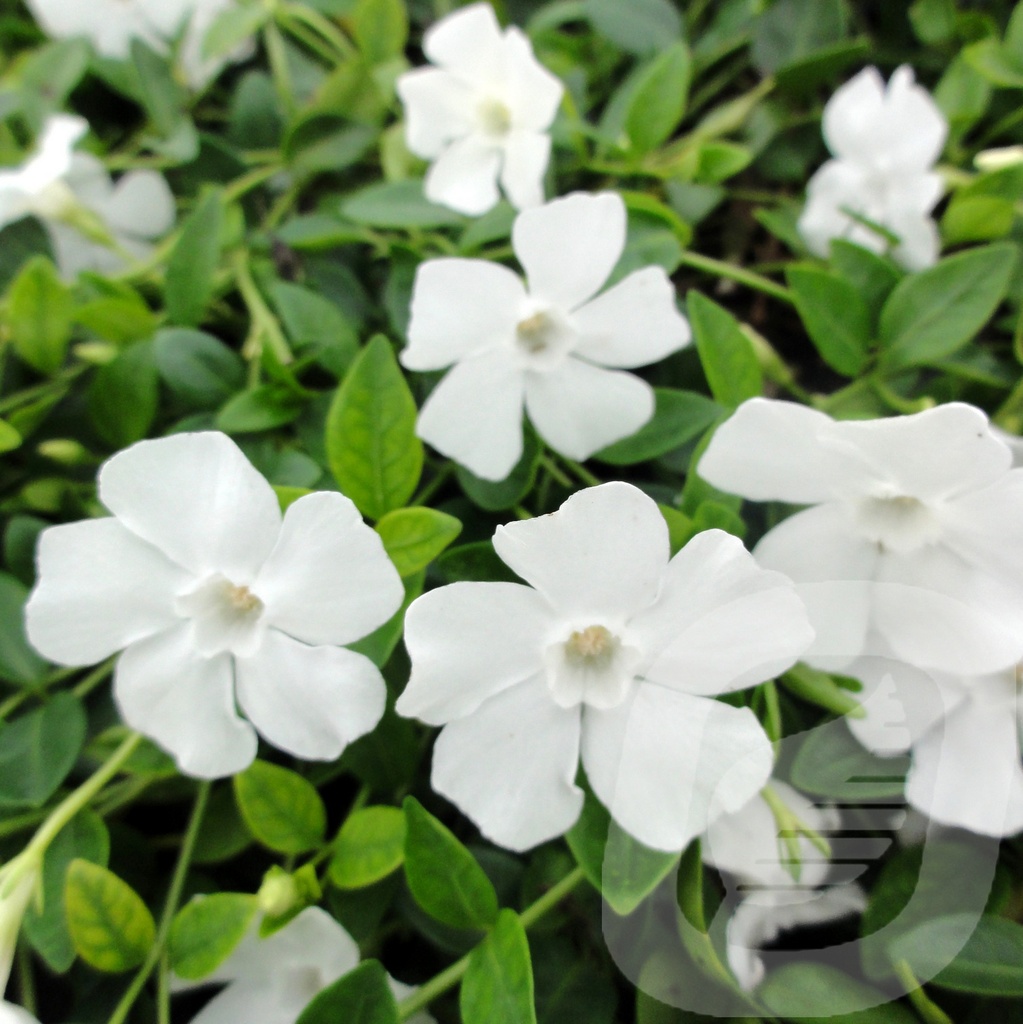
(612,654)
(481,114)
(93,222)
(547,344)
(914,528)
(780,876)
(215,600)
(880,189)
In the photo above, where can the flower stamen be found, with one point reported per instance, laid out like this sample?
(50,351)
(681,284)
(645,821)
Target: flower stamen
(494,117)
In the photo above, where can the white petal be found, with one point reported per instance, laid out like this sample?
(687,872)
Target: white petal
(438,110)
(569,246)
(534,94)
(579,409)
(459,307)
(985,528)
(184,703)
(328,579)
(919,241)
(464,176)
(510,766)
(198,499)
(912,130)
(261,1002)
(11,1014)
(310,701)
(666,764)
(469,641)
(474,415)
(721,623)
(468,41)
(526,154)
(74,253)
(89,180)
(100,588)
(836,187)
(602,554)
(852,115)
(54,151)
(632,324)
(141,206)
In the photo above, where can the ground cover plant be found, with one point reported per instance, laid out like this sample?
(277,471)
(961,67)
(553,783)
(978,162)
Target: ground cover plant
(512,512)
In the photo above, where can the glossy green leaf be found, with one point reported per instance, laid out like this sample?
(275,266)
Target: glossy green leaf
(281,809)
(658,98)
(206,930)
(679,416)
(124,396)
(369,846)
(40,309)
(727,355)
(835,316)
(362,996)
(498,983)
(19,662)
(414,537)
(191,266)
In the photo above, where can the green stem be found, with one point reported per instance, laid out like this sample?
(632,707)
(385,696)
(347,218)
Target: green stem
(93,679)
(250,180)
(449,978)
(718,268)
(297,30)
(264,323)
(928,1011)
(325,28)
(440,478)
(552,467)
(588,478)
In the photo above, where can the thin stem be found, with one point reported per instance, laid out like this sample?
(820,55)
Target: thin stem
(588,478)
(718,268)
(440,478)
(325,28)
(26,981)
(93,679)
(928,1011)
(264,323)
(250,180)
(552,467)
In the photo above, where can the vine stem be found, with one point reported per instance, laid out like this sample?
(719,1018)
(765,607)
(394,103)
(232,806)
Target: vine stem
(448,978)
(719,268)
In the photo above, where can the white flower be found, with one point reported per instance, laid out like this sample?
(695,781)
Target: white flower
(93,223)
(546,344)
(481,114)
(11,1014)
(111,25)
(749,845)
(915,528)
(612,654)
(19,879)
(272,980)
(214,599)
(964,734)
(885,143)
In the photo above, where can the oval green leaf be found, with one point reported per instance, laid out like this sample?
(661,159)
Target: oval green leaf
(370,845)
(281,809)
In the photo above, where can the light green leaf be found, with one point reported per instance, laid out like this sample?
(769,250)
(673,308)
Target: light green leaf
(498,984)
(398,204)
(370,845)
(414,537)
(9,439)
(192,264)
(380,28)
(727,355)
(362,996)
(835,316)
(679,416)
(40,309)
(206,930)
(281,809)
(658,95)
(233,26)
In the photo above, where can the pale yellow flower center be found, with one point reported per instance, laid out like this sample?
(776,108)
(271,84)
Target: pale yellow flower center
(594,646)
(494,117)
(537,332)
(242,599)
(898,522)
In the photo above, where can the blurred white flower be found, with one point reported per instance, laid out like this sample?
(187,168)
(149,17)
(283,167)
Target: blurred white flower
(93,223)
(915,528)
(775,895)
(481,114)
(612,654)
(546,344)
(885,142)
(19,879)
(111,25)
(214,599)
(964,734)
(272,980)
(998,159)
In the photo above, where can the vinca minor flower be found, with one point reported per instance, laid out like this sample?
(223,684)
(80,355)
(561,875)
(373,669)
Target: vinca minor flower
(914,528)
(547,344)
(481,114)
(880,189)
(214,599)
(611,654)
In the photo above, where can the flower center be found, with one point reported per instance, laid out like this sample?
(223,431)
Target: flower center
(592,666)
(494,117)
(543,339)
(537,333)
(897,522)
(225,616)
(594,646)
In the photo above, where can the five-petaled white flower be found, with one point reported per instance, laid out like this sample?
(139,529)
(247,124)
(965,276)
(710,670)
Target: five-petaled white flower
(612,654)
(93,223)
(885,142)
(481,114)
(214,599)
(547,344)
(111,25)
(964,734)
(775,895)
(914,530)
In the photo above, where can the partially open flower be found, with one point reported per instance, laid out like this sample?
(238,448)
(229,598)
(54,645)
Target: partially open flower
(213,598)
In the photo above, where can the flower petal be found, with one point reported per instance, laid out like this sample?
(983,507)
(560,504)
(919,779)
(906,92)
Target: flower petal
(328,579)
(602,554)
(526,154)
(985,528)
(721,623)
(579,409)
(851,116)
(533,93)
(912,130)
(469,641)
(632,324)
(438,109)
(310,701)
(100,589)
(184,703)
(464,176)
(260,1001)
(474,415)
(198,499)
(141,205)
(460,307)
(835,188)
(919,241)
(569,246)
(666,764)
(510,766)
(12,1014)
(469,41)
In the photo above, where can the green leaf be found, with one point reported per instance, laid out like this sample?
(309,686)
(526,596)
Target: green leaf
(160,94)
(679,416)
(498,983)
(379,645)
(369,846)
(121,318)
(814,993)
(233,26)
(414,537)
(281,809)
(38,749)
(200,370)
(40,309)
(261,408)
(497,495)
(315,325)
(789,31)
(124,395)
(640,27)
(9,440)
(362,996)
(728,359)
(223,833)
(380,28)
(693,930)
(19,662)
(977,219)
(658,95)
(206,930)
(871,275)
(931,314)
(398,204)
(443,875)
(835,316)
(192,264)
(111,928)
(821,689)
(372,447)
(622,868)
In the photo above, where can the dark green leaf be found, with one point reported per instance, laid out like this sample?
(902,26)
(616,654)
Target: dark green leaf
(315,324)
(124,395)
(398,204)
(727,355)
(362,996)
(263,408)
(679,416)
(201,370)
(815,993)
(835,316)
(871,275)
(497,495)
(19,662)
(640,26)
(192,264)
